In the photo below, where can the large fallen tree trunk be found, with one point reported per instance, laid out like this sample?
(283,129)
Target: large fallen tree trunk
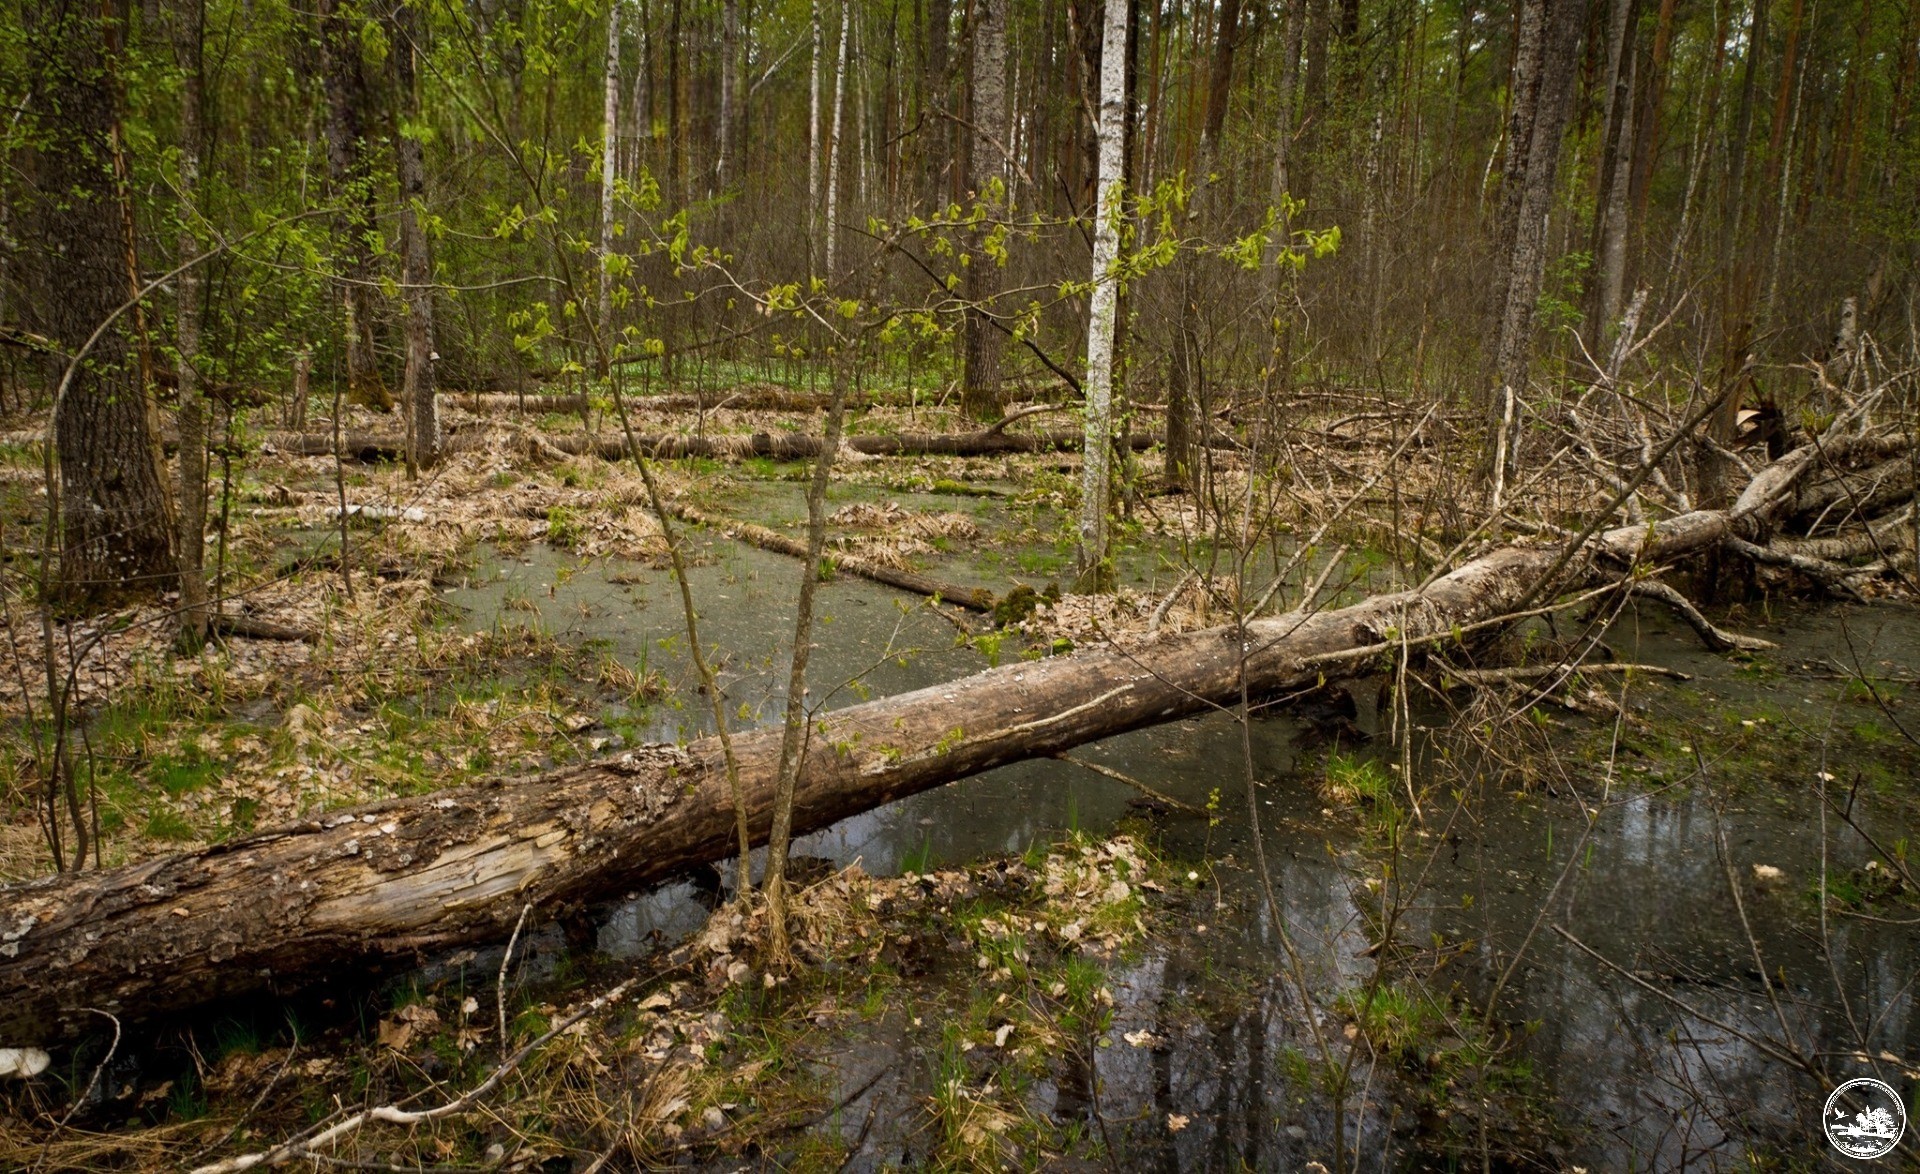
(382,885)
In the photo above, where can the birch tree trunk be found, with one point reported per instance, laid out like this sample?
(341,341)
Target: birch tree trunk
(190,542)
(1096,484)
(833,138)
(416,258)
(609,146)
(813,138)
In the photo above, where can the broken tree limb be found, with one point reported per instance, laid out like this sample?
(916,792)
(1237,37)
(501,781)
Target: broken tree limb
(382,886)
(1716,638)
(972,598)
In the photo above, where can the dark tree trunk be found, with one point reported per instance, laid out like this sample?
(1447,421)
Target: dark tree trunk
(423,413)
(117,536)
(343,74)
(191,540)
(1562,23)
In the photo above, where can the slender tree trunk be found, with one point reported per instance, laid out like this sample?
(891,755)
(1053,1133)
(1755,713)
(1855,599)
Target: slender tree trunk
(1736,274)
(984,344)
(729,89)
(344,77)
(813,138)
(1096,483)
(939,132)
(1283,125)
(416,257)
(1563,23)
(609,146)
(831,230)
(1186,373)
(114,503)
(1611,224)
(191,541)
(794,730)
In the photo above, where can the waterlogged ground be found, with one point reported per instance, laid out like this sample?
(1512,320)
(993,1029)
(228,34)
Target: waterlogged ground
(1582,867)
(1617,921)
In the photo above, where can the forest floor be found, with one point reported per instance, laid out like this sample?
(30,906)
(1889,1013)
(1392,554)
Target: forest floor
(956,1015)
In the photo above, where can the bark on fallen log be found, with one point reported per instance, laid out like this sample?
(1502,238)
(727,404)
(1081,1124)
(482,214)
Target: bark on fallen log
(385,884)
(972,598)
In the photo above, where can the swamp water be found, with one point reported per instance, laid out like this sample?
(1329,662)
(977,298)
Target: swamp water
(1660,1056)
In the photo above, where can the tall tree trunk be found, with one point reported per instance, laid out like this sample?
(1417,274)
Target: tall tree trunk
(1283,124)
(729,89)
(349,168)
(813,137)
(609,143)
(1736,276)
(984,344)
(1186,374)
(1562,25)
(416,257)
(937,131)
(1096,483)
(1614,173)
(794,731)
(117,525)
(677,114)
(831,229)
(190,542)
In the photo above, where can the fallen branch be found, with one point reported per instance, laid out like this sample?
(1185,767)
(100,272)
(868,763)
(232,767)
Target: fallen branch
(972,598)
(1533,672)
(394,1114)
(249,628)
(791,446)
(1716,638)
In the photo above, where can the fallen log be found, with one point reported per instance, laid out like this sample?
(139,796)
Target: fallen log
(788,446)
(383,885)
(972,598)
(504,402)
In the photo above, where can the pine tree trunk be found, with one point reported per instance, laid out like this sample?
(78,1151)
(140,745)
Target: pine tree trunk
(1096,484)
(984,344)
(422,403)
(115,505)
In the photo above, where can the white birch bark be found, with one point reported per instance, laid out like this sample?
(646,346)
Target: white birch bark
(609,157)
(813,137)
(833,139)
(1096,456)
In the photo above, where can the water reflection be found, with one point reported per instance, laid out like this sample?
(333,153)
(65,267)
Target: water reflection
(1668,1054)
